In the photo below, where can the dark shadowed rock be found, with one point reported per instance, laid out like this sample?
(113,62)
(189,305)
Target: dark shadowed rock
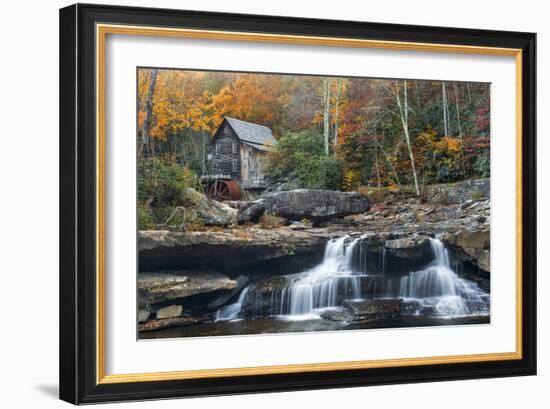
(338,314)
(264,296)
(271,285)
(366,310)
(251,211)
(403,255)
(316,205)
(260,297)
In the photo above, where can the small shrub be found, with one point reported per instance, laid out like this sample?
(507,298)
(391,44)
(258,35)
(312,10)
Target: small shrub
(483,166)
(270,221)
(146,220)
(162,184)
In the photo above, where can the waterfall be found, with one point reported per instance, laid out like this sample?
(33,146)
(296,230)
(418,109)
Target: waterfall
(433,290)
(326,285)
(438,288)
(232,311)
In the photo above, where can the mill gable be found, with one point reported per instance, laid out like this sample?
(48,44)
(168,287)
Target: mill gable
(237,151)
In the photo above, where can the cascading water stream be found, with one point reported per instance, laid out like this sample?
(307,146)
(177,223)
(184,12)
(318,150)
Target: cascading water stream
(438,288)
(232,311)
(326,285)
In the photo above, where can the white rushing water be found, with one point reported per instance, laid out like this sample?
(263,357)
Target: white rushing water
(232,311)
(435,290)
(437,287)
(326,285)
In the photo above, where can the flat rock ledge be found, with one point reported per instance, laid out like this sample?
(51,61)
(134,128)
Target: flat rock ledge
(162,287)
(156,324)
(224,250)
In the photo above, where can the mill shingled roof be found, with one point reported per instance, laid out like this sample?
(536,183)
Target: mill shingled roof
(258,136)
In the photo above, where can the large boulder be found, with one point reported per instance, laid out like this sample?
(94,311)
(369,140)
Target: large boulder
(315,205)
(210,212)
(471,246)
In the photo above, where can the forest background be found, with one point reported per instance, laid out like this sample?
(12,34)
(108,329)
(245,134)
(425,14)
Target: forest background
(349,134)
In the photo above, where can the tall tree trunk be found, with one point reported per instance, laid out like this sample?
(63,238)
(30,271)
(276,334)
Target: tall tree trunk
(148,111)
(468,89)
(326,114)
(455,89)
(378,182)
(203,155)
(445,110)
(339,87)
(404,113)
(417,93)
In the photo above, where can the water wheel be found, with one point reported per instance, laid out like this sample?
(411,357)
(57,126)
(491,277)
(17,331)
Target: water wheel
(223,190)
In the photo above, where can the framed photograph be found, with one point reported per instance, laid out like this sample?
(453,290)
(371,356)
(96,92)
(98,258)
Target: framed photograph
(257,203)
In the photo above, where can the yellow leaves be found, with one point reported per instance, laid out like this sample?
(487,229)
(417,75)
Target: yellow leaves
(453,144)
(178,102)
(427,138)
(428,141)
(251,97)
(351,178)
(449,145)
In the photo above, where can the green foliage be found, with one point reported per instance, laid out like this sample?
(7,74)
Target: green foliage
(301,156)
(145,218)
(161,189)
(291,152)
(331,172)
(162,181)
(482,165)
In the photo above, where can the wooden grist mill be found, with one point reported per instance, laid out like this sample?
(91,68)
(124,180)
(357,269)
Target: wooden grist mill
(236,159)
